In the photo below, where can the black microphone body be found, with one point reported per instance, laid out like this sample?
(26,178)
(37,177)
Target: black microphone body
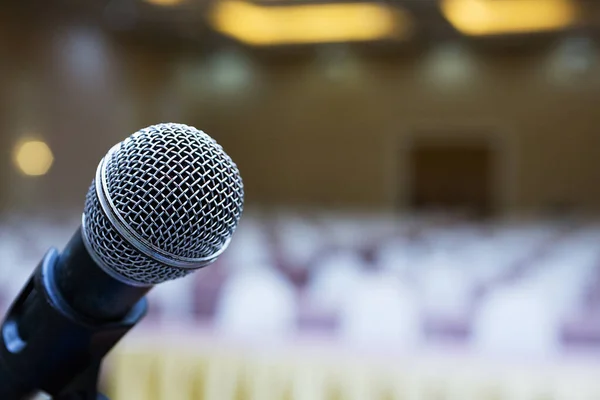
(67,317)
(89,289)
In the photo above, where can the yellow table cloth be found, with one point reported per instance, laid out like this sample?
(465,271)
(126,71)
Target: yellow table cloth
(176,369)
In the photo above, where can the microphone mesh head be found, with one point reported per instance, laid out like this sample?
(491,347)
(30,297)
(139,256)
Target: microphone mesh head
(165,201)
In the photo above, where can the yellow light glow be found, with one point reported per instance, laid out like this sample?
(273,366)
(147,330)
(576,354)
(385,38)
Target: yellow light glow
(164,3)
(33,158)
(314,23)
(493,17)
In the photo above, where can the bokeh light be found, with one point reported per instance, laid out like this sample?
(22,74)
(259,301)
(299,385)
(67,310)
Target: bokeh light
(164,3)
(477,17)
(33,157)
(309,23)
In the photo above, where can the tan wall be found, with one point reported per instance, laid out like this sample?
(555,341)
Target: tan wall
(313,140)
(301,136)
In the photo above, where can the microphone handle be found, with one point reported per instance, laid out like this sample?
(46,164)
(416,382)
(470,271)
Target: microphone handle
(46,345)
(87,288)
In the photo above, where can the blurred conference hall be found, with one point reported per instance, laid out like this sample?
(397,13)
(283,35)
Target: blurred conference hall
(422,189)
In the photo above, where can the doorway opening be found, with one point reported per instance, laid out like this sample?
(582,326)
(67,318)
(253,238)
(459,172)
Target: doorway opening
(452,176)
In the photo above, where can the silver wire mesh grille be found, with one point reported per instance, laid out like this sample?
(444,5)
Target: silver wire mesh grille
(175,187)
(116,253)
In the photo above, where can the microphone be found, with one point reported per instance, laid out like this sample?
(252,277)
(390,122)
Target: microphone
(164,203)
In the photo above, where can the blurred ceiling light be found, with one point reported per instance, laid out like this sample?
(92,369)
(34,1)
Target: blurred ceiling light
(573,58)
(230,72)
(164,3)
(450,64)
(84,55)
(312,23)
(339,63)
(576,54)
(493,17)
(33,157)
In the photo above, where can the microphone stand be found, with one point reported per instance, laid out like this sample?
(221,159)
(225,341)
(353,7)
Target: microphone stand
(85,386)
